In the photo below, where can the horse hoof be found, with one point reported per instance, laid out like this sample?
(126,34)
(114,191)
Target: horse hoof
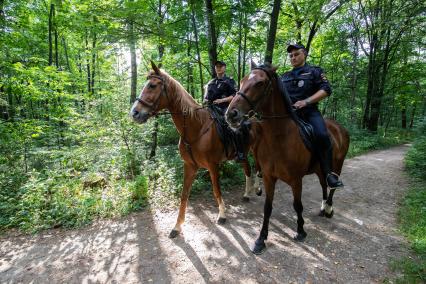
(221,221)
(329,215)
(322,213)
(259,249)
(300,237)
(173,234)
(246,199)
(259,192)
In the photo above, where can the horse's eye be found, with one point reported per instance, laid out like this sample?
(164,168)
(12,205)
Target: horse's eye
(151,86)
(258,84)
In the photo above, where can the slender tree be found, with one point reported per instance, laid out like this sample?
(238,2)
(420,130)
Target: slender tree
(270,42)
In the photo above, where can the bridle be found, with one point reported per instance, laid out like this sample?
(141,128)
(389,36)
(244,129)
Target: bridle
(154,106)
(254,104)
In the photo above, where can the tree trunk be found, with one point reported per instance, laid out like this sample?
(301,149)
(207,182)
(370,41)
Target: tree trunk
(413,112)
(272,31)
(212,37)
(88,64)
(152,154)
(354,78)
(245,46)
(133,63)
(240,39)
(55,28)
(404,117)
(92,85)
(66,54)
(2,17)
(197,48)
(51,13)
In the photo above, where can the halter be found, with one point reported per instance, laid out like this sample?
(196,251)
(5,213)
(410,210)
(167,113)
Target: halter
(254,104)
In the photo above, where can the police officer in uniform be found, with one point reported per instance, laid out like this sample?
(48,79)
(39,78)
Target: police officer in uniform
(220,91)
(306,86)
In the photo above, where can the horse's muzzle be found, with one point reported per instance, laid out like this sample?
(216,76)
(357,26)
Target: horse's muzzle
(233,118)
(139,117)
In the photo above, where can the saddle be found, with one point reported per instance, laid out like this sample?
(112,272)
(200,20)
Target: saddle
(306,130)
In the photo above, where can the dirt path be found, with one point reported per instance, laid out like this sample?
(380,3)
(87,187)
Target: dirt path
(355,246)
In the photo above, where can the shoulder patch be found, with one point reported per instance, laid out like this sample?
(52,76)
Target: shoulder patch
(323,77)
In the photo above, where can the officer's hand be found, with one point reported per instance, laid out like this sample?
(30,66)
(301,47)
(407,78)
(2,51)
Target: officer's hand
(218,101)
(300,104)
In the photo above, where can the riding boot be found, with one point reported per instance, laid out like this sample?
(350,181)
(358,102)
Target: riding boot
(325,159)
(239,147)
(240,137)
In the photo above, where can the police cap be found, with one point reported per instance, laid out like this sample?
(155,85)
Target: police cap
(295,46)
(220,63)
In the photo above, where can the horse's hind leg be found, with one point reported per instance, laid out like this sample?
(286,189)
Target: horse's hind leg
(298,207)
(328,203)
(249,182)
(269,184)
(189,172)
(214,176)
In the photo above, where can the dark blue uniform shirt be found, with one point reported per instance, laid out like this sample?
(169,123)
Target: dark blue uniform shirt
(219,89)
(303,82)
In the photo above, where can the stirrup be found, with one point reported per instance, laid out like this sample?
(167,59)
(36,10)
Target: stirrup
(334,181)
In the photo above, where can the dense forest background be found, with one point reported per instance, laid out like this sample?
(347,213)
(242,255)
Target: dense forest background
(69,70)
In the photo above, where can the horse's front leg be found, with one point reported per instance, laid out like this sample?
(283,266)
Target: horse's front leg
(324,205)
(214,176)
(269,184)
(298,207)
(189,172)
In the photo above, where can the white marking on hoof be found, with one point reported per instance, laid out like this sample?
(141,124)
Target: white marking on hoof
(249,187)
(323,204)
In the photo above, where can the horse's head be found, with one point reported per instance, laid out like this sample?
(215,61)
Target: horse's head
(153,97)
(254,88)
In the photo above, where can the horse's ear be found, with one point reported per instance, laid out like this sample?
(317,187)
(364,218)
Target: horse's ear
(252,64)
(155,68)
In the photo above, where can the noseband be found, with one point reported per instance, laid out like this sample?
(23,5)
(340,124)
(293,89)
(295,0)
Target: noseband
(154,106)
(254,104)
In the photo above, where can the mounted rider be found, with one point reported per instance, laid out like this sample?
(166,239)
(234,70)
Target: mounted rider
(219,92)
(307,85)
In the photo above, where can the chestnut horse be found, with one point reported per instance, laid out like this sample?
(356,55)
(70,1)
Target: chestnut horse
(199,144)
(280,151)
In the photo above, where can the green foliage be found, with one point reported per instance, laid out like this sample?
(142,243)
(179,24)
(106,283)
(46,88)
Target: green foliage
(415,160)
(363,141)
(412,214)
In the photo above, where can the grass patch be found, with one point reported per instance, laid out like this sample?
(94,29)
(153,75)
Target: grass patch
(363,141)
(412,215)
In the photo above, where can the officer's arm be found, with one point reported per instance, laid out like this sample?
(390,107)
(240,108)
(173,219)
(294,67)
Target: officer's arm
(323,87)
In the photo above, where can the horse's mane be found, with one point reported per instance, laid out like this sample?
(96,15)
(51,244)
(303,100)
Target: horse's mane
(182,98)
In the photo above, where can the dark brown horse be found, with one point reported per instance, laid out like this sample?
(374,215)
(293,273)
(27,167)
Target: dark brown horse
(279,149)
(199,145)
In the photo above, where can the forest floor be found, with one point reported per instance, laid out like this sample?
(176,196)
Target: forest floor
(357,245)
